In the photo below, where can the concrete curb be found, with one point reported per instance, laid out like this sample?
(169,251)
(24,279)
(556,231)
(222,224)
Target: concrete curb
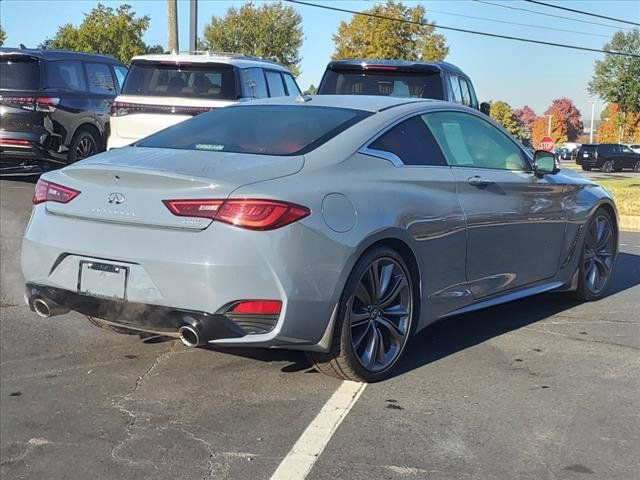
(630,223)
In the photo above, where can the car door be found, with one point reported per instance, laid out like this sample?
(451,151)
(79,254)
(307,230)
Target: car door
(102,91)
(628,158)
(431,212)
(515,220)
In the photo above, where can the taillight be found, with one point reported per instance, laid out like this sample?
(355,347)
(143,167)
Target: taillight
(38,104)
(243,213)
(256,307)
(46,104)
(120,109)
(52,192)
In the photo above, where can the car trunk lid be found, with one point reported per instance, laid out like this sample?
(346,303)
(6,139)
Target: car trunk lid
(128,185)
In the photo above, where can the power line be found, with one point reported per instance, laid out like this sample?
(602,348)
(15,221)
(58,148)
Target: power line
(563,30)
(550,15)
(463,30)
(567,9)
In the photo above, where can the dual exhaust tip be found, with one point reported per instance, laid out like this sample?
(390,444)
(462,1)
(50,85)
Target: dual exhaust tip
(46,308)
(193,334)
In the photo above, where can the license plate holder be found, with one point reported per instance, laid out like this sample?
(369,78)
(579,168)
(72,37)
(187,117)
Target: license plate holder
(105,280)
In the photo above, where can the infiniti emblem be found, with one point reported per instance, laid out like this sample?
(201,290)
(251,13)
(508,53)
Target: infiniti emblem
(115,198)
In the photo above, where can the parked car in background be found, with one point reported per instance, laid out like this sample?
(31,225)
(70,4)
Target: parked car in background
(164,89)
(54,104)
(339,225)
(608,157)
(400,78)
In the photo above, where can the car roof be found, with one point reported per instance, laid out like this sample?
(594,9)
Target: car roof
(236,59)
(54,54)
(406,65)
(368,103)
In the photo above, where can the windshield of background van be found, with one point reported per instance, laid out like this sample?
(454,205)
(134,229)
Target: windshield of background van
(19,74)
(259,129)
(171,79)
(417,85)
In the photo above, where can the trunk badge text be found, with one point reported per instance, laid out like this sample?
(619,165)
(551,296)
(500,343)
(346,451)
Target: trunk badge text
(115,198)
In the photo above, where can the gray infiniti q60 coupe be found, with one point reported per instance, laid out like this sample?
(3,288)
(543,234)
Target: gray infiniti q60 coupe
(337,225)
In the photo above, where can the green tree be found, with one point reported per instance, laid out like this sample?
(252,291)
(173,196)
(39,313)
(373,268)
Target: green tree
(312,90)
(371,37)
(616,78)
(269,30)
(3,36)
(117,32)
(502,113)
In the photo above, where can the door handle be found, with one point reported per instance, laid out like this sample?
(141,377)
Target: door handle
(479,181)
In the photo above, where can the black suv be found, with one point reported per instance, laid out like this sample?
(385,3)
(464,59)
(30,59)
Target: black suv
(54,104)
(400,78)
(608,157)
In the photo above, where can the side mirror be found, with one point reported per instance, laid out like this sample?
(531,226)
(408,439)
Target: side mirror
(544,163)
(485,108)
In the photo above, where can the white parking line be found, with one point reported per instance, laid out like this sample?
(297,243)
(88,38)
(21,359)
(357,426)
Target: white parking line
(306,451)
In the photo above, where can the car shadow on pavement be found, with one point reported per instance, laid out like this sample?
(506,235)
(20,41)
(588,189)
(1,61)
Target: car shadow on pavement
(454,334)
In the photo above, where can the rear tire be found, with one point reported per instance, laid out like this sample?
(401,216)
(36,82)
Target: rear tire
(83,145)
(597,259)
(607,166)
(636,167)
(375,318)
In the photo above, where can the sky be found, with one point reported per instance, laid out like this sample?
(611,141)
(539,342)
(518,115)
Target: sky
(515,72)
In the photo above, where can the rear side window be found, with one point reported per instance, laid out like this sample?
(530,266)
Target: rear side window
(19,73)
(412,142)
(276,87)
(400,84)
(258,129)
(121,73)
(100,78)
(66,74)
(455,88)
(190,80)
(292,86)
(253,83)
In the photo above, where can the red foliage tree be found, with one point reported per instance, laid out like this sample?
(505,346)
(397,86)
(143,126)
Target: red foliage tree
(567,115)
(525,117)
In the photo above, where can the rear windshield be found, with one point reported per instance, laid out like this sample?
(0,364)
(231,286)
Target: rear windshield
(260,129)
(588,148)
(19,73)
(170,79)
(349,82)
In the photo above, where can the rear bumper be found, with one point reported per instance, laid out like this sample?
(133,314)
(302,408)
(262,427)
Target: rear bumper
(205,271)
(31,147)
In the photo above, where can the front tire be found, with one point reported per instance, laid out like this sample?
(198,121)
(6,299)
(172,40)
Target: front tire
(607,166)
(636,167)
(588,169)
(375,318)
(597,258)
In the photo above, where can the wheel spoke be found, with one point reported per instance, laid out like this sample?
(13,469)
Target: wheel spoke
(395,332)
(603,268)
(357,340)
(398,310)
(371,350)
(374,282)
(363,295)
(358,319)
(592,274)
(397,285)
(385,279)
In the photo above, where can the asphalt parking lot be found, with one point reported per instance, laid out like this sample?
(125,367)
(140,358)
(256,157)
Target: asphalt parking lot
(542,388)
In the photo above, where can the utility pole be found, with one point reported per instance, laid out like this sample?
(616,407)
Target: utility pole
(193,25)
(593,108)
(172,26)
(549,124)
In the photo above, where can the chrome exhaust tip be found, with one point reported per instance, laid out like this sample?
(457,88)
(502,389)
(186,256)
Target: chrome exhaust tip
(41,308)
(47,308)
(189,336)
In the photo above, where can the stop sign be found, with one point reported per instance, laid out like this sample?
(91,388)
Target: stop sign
(546,144)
